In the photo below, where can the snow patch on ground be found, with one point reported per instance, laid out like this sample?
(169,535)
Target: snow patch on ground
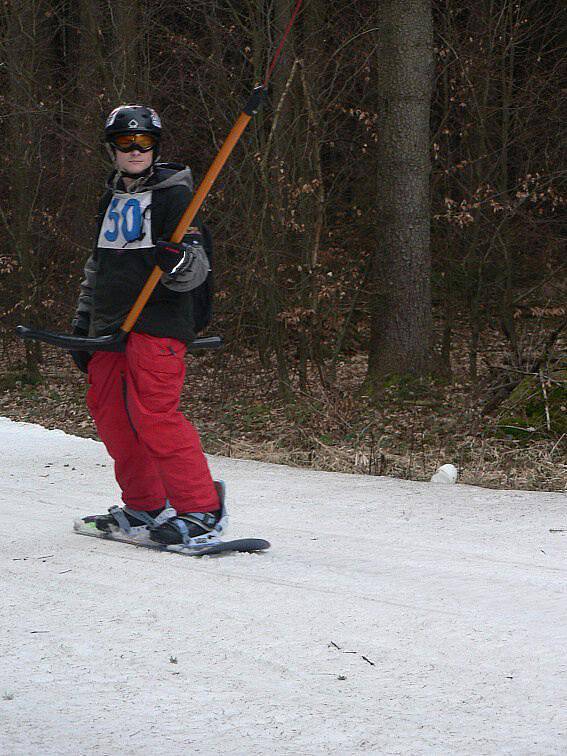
(389,617)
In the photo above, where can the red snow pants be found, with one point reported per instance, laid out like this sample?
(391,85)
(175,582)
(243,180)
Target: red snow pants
(133,398)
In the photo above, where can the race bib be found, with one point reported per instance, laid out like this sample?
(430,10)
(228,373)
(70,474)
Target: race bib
(127,222)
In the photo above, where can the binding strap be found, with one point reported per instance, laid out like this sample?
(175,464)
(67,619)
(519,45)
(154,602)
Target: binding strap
(204,520)
(182,528)
(119,514)
(121,519)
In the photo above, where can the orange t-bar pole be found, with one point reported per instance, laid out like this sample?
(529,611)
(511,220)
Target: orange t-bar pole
(199,197)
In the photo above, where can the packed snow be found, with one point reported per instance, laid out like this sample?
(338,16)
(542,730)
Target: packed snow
(389,617)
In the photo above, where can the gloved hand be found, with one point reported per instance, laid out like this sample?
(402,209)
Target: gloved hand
(81,359)
(175,259)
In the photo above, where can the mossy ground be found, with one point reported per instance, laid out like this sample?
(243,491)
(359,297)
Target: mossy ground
(537,406)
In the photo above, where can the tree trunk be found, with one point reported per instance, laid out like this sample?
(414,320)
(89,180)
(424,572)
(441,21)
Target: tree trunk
(128,34)
(400,336)
(275,241)
(313,205)
(88,110)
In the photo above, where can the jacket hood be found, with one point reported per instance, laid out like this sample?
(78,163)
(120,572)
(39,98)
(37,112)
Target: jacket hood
(162,176)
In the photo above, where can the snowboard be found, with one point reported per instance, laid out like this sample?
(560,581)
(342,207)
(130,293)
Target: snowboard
(207,548)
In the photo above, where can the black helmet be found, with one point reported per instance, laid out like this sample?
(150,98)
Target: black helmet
(136,118)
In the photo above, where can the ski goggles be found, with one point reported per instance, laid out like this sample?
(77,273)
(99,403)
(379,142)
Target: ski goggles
(131,142)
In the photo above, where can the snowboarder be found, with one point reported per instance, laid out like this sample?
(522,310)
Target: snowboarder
(134,396)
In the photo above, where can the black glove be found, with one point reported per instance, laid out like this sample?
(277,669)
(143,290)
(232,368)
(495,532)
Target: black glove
(174,258)
(81,359)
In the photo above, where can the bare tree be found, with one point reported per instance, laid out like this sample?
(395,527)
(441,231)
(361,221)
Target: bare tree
(27,45)
(497,179)
(125,51)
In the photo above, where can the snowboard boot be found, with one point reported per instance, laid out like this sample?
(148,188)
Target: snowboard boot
(125,519)
(191,528)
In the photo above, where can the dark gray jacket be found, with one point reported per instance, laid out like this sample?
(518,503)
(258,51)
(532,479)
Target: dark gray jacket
(129,224)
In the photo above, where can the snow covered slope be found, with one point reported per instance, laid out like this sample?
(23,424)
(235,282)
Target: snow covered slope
(389,617)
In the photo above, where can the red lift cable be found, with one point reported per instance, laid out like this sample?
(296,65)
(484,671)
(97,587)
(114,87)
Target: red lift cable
(282,43)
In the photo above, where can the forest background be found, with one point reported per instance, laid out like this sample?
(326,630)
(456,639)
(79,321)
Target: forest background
(389,233)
